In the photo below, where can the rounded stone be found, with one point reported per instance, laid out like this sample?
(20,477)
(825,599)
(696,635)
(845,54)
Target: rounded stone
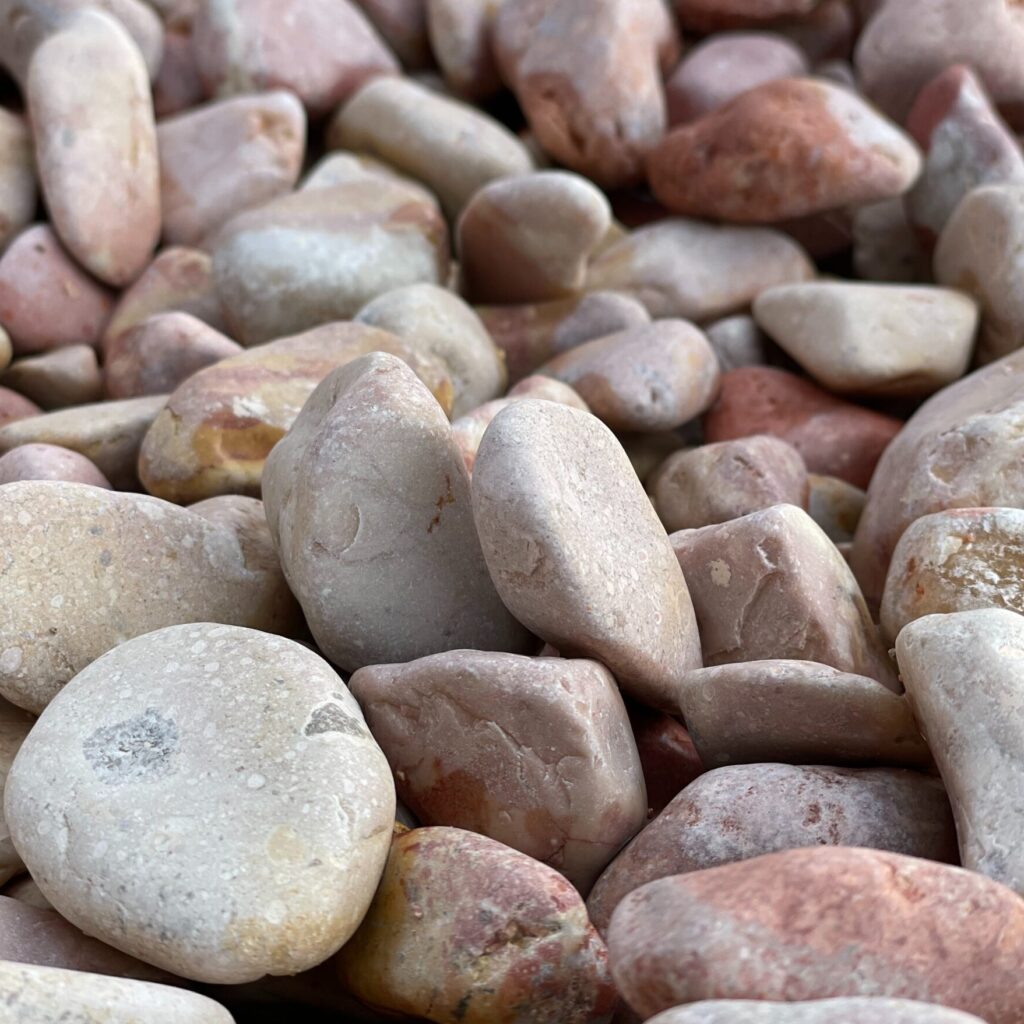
(15,408)
(307,809)
(56,379)
(737,341)
(403,24)
(460,36)
(49,462)
(843,1010)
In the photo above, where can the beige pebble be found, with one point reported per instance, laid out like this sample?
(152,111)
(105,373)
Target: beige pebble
(876,1009)
(59,378)
(49,462)
(17,176)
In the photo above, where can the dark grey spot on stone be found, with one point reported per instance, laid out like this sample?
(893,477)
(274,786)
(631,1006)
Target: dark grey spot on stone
(105,558)
(96,531)
(333,718)
(139,749)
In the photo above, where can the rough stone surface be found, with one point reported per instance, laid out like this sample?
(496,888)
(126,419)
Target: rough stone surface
(576,550)
(308,809)
(17,176)
(93,568)
(536,753)
(58,378)
(878,1010)
(427,951)
(49,462)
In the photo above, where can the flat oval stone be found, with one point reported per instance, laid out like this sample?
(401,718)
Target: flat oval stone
(46,300)
(425,949)
(696,271)
(387,567)
(809,922)
(719,482)
(596,576)
(817,1011)
(811,146)
(435,320)
(49,462)
(222,158)
(58,378)
(321,50)
(452,148)
(161,352)
(318,255)
(965,683)
(220,424)
(38,995)
(960,449)
(743,811)
(17,176)
(308,809)
(460,37)
(655,377)
(712,15)
(536,753)
(835,437)
(883,339)
(799,712)
(771,585)
(94,567)
(109,434)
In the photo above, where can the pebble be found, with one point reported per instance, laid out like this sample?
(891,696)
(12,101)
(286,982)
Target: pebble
(46,300)
(452,148)
(460,36)
(273,870)
(799,712)
(771,585)
(49,462)
(159,353)
(536,753)
(594,576)
(220,424)
(225,157)
(835,506)
(58,378)
(719,482)
(820,923)
(835,438)
(177,86)
(827,32)
(744,811)
(15,407)
(655,377)
(670,760)
(426,950)
(314,256)
(810,146)
(886,247)
(320,50)
(737,341)
(6,349)
(876,1009)
(882,339)
(711,15)
(964,681)
(403,24)
(17,176)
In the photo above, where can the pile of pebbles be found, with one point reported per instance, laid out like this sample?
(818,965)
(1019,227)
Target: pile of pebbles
(512,511)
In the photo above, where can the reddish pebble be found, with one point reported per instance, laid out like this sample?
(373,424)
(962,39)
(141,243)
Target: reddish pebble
(667,755)
(49,462)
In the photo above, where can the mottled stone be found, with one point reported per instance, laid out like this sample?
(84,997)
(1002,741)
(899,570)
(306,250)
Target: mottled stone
(820,923)
(882,339)
(319,255)
(17,176)
(843,1010)
(723,66)
(95,567)
(771,585)
(595,576)
(737,341)
(15,407)
(222,158)
(961,449)
(58,378)
(308,809)
(436,321)
(713,15)
(718,482)
(799,712)
(387,566)
(835,438)
(426,950)
(49,462)
(158,354)
(809,146)
(403,24)
(460,36)
(46,301)
(886,247)
(744,811)
(536,753)
(220,424)
(697,271)
(321,50)
(835,506)
(528,238)
(108,433)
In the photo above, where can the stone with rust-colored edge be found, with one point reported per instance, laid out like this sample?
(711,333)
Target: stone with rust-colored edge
(294,780)
(843,1010)
(536,753)
(772,586)
(596,577)
(56,379)
(220,424)
(49,462)
(819,923)
(17,176)
(785,149)
(799,712)
(95,567)
(425,949)
(965,682)
(387,566)
(744,811)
